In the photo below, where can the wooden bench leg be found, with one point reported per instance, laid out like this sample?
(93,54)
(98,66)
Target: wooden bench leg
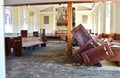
(98,64)
(43,45)
(79,58)
(28,48)
(118,63)
(33,47)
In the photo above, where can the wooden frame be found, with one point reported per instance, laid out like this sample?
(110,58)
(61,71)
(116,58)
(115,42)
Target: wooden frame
(97,54)
(81,35)
(36,34)
(85,19)
(17,46)
(24,33)
(46,19)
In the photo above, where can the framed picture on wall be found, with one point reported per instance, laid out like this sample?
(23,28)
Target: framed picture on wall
(85,19)
(46,19)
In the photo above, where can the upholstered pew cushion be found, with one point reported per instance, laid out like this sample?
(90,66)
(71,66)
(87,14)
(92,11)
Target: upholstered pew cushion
(31,41)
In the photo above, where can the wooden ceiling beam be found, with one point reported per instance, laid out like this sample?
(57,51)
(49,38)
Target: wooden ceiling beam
(49,3)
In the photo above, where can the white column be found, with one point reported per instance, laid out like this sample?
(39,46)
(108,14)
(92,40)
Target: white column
(94,25)
(103,17)
(113,17)
(2,48)
(76,16)
(19,19)
(54,19)
(99,20)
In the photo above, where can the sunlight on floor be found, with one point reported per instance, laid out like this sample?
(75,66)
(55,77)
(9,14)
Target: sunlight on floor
(108,65)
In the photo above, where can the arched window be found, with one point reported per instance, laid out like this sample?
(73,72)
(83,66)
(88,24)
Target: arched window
(25,20)
(8,20)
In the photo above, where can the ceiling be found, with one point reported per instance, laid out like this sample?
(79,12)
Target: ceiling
(86,5)
(43,4)
(33,2)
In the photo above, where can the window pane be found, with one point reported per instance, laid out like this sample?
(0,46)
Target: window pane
(35,23)
(8,20)
(25,20)
(108,17)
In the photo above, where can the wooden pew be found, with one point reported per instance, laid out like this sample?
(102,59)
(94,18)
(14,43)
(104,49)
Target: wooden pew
(86,43)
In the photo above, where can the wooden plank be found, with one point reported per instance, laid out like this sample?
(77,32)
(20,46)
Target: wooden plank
(97,54)
(69,19)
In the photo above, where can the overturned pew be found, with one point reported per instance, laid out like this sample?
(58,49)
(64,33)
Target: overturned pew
(90,53)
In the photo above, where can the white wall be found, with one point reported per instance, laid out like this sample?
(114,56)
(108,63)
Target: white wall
(114,18)
(31,19)
(118,17)
(48,27)
(51,27)
(17,17)
(99,16)
(2,51)
(78,18)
